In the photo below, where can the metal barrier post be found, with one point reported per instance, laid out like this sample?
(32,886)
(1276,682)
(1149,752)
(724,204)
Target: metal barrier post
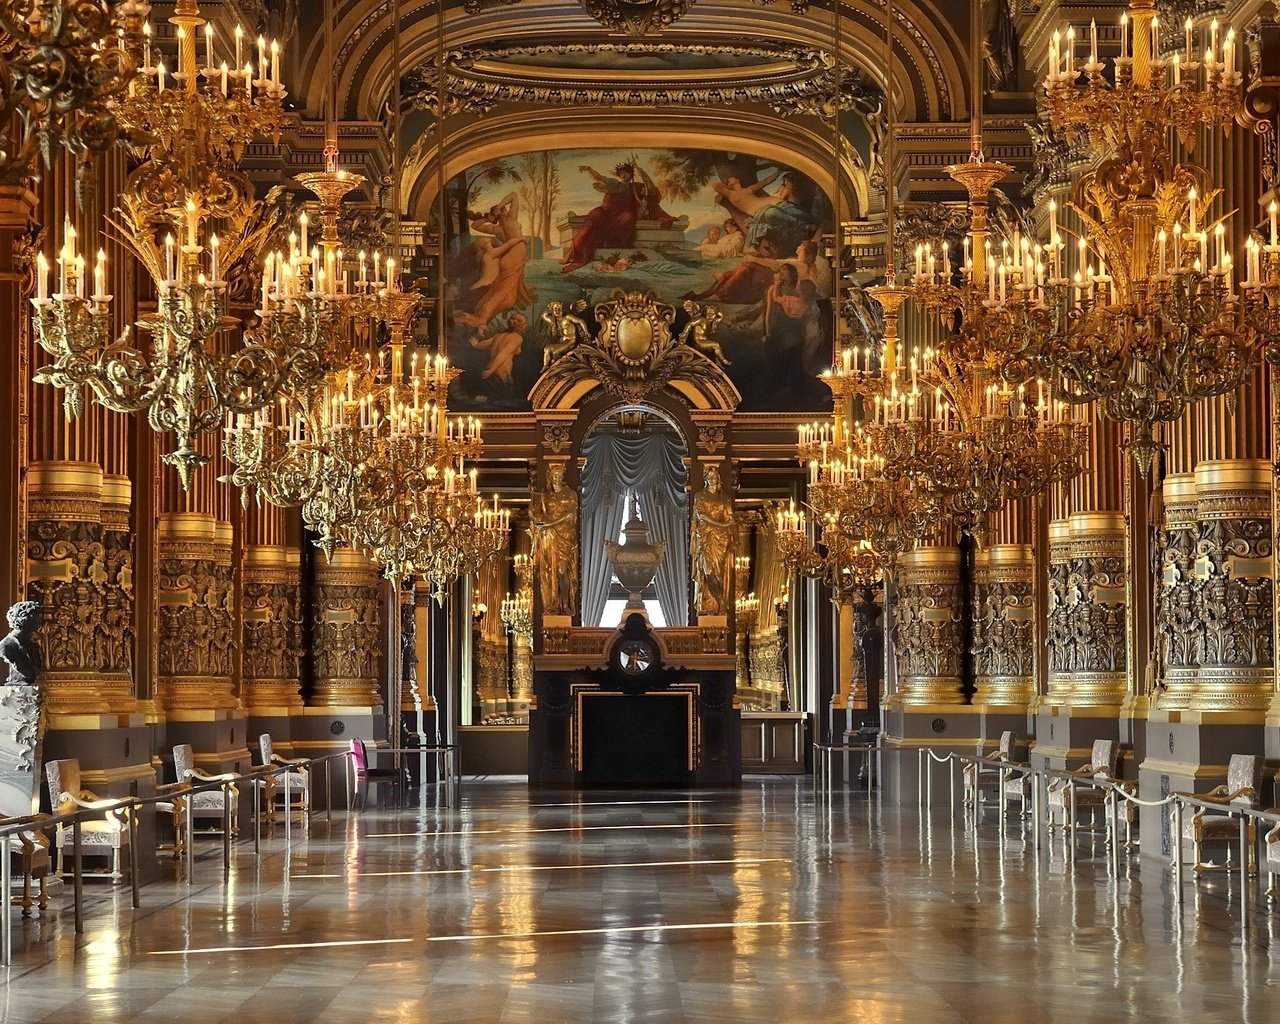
(6,926)
(1113,824)
(288,816)
(1002,778)
(870,779)
(257,817)
(133,858)
(328,788)
(1244,866)
(951,778)
(77,876)
(1177,850)
(348,771)
(1070,826)
(919,780)
(191,841)
(928,778)
(226,831)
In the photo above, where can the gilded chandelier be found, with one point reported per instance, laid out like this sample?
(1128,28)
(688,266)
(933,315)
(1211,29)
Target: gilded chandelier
(1149,314)
(194,122)
(62,74)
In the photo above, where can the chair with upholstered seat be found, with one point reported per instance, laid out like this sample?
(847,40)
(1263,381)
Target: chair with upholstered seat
(1207,827)
(1271,858)
(981,779)
(367,775)
(1104,760)
(98,837)
(209,804)
(29,853)
(273,786)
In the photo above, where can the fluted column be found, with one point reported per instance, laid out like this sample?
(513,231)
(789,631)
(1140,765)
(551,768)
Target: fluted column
(927,636)
(347,610)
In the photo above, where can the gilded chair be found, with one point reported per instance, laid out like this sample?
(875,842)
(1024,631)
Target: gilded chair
(98,837)
(207,804)
(980,779)
(273,785)
(1271,858)
(175,808)
(29,852)
(1104,761)
(1242,789)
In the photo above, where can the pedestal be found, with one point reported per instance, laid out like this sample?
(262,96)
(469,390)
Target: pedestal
(1064,736)
(942,728)
(21,737)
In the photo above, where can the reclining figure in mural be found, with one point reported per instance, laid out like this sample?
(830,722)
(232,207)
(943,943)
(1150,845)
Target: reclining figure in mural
(18,648)
(565,329)
(697,332)
(553,522)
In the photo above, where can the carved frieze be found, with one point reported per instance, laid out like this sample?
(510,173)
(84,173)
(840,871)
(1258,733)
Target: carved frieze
(1003,637)
(926,627)
(347,631)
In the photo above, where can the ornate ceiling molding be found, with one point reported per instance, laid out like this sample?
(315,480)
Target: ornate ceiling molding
(788,78)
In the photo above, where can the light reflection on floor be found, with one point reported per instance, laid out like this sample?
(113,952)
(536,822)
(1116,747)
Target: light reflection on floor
(745,906)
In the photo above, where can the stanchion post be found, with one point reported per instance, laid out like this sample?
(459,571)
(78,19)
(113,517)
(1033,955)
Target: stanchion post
(6,883)
(191,839)
(951,778)
(1114,826)
(1244,866)
(257,817)
(1177,849)
(1069,827)
(134,895)
(328,789)
(288,814)
(77,877)
(226,831)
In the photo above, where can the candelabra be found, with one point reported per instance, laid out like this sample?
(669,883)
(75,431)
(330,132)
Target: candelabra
(192,125)
(516,611)
(1153,317)
(62,75)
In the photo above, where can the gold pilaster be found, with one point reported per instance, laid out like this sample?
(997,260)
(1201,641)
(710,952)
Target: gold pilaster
(1177,616)
(271,630)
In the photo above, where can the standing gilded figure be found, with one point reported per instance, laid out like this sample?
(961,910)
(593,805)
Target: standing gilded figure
(553,515)
(711,546)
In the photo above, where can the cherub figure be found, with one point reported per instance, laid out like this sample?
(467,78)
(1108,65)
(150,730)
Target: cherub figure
(566,329)
(701,326)
(17,648)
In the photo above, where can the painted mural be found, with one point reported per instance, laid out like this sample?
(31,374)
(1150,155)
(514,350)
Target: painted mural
(733,230)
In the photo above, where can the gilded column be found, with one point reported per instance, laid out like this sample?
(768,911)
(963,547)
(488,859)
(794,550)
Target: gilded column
(347,610)
(195,620)
(1059,639)
(1178,625)
(1233,568)
(1003,635)
(1096,591)
(927,637)
(271,628)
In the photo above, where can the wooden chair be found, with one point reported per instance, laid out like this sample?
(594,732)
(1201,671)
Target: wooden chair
(980,779)
(272,786)
(103,837)
(1104,761)
(1242,788)
(210,803)
(29,852)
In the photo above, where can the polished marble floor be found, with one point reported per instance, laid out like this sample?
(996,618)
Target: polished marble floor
(633,906)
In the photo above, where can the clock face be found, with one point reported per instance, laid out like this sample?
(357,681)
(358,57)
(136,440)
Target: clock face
(635,657)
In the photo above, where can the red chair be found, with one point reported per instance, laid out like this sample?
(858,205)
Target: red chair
(366,775)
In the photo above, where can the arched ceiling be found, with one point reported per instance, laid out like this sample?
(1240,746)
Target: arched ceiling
(929,52)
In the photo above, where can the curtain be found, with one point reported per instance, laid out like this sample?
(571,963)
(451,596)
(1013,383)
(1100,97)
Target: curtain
(652,466)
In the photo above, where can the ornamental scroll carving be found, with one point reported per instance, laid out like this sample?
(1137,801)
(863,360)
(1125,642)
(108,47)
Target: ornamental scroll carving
(115,632)
(1062,600)
(348,632)
(1097,627)
(1003,635)
(1234,591)
(68,576)
(195,626)
(272,630)
(1178,606)
(927,631)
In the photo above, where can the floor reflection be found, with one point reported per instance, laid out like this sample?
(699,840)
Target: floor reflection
(724,906)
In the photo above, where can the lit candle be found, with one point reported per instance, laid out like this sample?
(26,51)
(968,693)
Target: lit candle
(146,48)
(100,277)
(239,41)
(1191,210)
(213,258)
(160,77)
(1163,239)
(275,62)
(1093,41)
(303,221)
(1177,69)
(1271,210)
(193,222)
(1124,36)
(1186,26)
(208,45)
(262,54)
(225,71)
(168,257)
(1155,37)
(42,277)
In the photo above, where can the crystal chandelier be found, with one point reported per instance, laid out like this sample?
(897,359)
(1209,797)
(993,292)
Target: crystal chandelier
(196,122)
(1149,313)
(62,75)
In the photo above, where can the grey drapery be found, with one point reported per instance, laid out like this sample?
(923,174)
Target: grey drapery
(652,466)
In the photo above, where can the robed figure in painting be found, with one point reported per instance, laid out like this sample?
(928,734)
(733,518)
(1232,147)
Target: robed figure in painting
(612,224)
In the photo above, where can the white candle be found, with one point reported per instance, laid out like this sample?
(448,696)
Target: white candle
(42,277)
(208,45)
(146,48)
(1155,37)
(239,40)
(1186,26)
(225,71)
(1191,210)
(168,257)
(193,222)
(1124,36)
(248,82)
(160,77)
(100,277)
(303,221)
(275,62)
(262,55)
(1271,210)
(1093,41)
(213,258)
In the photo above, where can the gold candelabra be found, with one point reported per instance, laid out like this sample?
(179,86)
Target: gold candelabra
(1149,314)
(516,610)
(63,72)
(192,125)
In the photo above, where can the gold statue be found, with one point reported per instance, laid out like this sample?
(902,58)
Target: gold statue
(566,329)
(711,550)
(697,332)
(553,515)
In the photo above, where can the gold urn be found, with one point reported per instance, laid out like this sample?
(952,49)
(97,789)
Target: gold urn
(635,560)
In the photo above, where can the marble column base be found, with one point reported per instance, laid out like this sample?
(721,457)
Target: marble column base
(1064,736)
(330,730)
(1188,752)
(940,728)
(994,720)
